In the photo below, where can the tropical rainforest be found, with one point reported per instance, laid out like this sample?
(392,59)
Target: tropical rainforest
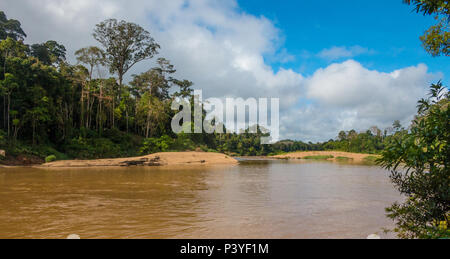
(51,109)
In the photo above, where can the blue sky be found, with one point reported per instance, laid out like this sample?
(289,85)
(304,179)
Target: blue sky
(388,29)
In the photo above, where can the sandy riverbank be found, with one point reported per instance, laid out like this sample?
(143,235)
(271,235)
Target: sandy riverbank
(158,159)
(337,155)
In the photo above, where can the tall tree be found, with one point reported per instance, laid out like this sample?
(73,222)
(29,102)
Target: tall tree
(397,125)
(125,45)
(11,48)
(156,81)
(92,57)
(185,88)
(436,39)
(10,28)
(49,53)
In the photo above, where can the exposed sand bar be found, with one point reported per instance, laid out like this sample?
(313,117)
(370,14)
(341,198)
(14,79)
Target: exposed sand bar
(158,159)
(356,157)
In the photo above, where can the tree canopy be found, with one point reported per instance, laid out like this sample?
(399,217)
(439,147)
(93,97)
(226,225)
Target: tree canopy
(436,39)
(10,28)
(49,53)
(125,45)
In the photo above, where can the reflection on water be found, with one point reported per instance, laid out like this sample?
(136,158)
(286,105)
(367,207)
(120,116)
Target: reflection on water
(260,199)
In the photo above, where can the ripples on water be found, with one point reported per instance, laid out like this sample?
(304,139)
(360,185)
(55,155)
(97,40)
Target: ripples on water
(262,199)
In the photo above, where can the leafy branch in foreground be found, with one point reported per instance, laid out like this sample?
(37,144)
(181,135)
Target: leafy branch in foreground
(436,39)
(418,161)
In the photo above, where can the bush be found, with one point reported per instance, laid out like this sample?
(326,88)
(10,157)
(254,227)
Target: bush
(92,148)
(155,145)
(44,151)
(183,143)
(2,138)
(166,143)
(50,158)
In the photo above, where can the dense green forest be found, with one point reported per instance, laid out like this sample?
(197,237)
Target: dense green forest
(53,108)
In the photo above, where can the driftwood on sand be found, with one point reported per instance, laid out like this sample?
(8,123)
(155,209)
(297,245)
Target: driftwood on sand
(143,162)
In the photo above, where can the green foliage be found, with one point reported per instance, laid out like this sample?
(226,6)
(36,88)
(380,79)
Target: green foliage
(50,158)
(165,143)
(371,141)
(155,145)
(3,139)
(91,56)
(125,45)
(11,48)
(49,52)
(287,146)
(10,28)
(92,148)
(436,39)
(418,160)
(371,158)
(183,143)
(245,144)
(430,7)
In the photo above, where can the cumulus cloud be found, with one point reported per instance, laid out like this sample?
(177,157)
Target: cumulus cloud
(345,96)
(336,53)
(222,50)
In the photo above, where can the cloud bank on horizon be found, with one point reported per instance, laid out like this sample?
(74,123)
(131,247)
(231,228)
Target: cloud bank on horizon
(222,50)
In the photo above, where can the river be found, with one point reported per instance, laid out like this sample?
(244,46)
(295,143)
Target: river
(256,199)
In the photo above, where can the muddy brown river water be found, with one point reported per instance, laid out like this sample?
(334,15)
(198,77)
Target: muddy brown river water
(260,199)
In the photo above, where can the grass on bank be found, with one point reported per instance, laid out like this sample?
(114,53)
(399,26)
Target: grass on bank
(371,159)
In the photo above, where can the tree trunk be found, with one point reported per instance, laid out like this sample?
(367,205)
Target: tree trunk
(4,111)
(87,105)
(82,106)
(120,85)
(147,130)
(126,112)
(113,113)
(34,129)
(9,107)
(148,120)
(100,109)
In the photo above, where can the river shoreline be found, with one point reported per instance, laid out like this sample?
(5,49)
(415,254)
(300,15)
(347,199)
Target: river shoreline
(329,155)
(156,160)
(199,158)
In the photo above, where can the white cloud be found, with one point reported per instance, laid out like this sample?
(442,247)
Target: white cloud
(347,96)
(222,50)
(336,53)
